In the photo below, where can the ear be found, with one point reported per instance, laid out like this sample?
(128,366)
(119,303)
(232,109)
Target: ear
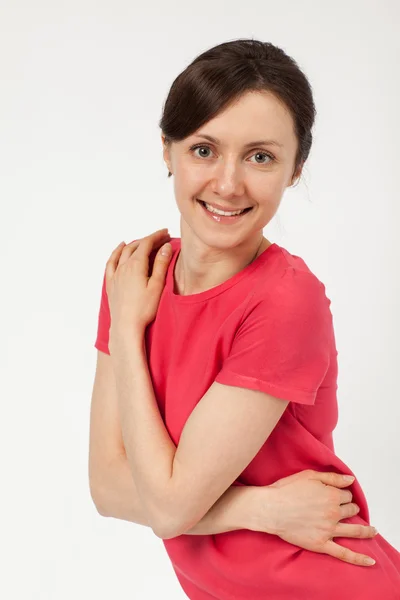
(297,174)
(166,152)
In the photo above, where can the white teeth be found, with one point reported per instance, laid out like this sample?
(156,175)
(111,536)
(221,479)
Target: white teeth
(221,212)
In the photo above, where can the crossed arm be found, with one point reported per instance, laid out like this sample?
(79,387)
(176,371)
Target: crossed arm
(179,485)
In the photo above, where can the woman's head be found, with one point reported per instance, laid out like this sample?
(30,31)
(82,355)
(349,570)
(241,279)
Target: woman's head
(237,92)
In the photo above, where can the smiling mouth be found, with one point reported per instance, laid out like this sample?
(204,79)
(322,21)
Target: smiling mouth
(246,210)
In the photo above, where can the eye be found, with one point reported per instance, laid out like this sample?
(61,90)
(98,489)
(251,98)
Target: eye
(199,146)
(258,152)
(267,154)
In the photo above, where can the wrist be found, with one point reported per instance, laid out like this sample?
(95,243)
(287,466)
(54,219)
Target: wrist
(120,338)
(237,506)
(262,510)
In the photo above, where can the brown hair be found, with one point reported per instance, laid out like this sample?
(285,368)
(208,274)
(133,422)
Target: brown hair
(222,74)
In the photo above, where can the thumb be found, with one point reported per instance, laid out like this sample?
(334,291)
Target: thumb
(165,250)
(160,266)
(334,479)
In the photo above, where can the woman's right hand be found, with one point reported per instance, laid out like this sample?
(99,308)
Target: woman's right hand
(305,509)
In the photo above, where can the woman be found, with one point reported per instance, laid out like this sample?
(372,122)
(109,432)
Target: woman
(224,349)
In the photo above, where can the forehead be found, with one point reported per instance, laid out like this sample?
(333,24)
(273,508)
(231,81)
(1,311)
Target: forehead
(253,116)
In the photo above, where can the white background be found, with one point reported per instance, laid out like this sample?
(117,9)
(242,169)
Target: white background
(82,88)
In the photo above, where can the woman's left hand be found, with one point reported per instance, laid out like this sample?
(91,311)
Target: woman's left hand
(133,296)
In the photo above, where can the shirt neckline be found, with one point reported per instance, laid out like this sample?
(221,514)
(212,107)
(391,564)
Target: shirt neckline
(218,289)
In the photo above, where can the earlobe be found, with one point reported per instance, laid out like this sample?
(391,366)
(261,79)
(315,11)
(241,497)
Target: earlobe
(168,167)
(296,176)
(166,158)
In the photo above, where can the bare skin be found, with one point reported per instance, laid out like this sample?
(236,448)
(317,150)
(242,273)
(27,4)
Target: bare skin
(211,252)
(305,509)
(209,256)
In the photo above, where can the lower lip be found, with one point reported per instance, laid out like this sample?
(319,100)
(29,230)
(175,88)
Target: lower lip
(221,218)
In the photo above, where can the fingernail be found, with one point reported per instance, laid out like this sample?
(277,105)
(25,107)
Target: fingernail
(375,530)
(348,477)
(369,561)
(166,249)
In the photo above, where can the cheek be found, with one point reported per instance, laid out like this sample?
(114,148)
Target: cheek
(269,190)
(188,184)
(267,197)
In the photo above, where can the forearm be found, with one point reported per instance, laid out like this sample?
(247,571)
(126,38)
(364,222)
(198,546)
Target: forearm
(120,499)
(148,446)
(232,511)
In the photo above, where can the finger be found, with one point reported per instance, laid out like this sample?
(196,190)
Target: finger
(345,496)
(354,531)
(342,496)
(330,478)
(134,244)
(164,230)
(157,234)
(346,554)
(153,241)
(156,242)
(118,249)
(348,510)
(117,252)
(157,231)
(127,252)
(112,262)
(142,252)
(130,248)
(157,237)
(160,265)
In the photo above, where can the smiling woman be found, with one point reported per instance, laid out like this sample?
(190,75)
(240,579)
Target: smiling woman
(233,383)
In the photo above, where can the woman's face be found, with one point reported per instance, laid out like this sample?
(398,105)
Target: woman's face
(232,171)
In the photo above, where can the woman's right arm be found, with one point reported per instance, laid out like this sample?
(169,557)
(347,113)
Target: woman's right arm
(299,508)
(303,509)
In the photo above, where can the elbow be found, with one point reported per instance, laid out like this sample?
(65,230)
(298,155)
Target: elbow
(166,534)
(176,516)
(165,529)
(97,499)
(168,525)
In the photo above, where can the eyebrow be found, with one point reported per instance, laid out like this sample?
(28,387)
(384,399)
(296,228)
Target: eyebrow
(256,143)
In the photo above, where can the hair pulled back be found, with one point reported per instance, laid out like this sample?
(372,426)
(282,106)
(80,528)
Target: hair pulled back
(221,75)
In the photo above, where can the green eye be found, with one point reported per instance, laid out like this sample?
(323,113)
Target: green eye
(259,152)
(198,146)
(262,152)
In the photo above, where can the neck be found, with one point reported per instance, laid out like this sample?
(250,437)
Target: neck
(198,269)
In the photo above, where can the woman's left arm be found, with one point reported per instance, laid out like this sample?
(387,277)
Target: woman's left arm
(176,485)
(148,446)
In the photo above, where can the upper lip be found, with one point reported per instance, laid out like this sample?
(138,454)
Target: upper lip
(225,208)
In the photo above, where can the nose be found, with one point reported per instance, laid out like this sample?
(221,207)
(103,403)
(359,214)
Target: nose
(228,180)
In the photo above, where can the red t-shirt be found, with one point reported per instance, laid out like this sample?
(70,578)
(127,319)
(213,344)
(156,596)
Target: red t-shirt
(268,328)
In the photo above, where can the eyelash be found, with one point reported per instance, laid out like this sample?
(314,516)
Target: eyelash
(196,146)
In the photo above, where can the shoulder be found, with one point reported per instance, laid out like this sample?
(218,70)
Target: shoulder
(292,304)
(289,288)
(284,272)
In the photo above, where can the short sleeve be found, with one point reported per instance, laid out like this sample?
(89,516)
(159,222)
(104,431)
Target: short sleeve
(283,344)
(104,320)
